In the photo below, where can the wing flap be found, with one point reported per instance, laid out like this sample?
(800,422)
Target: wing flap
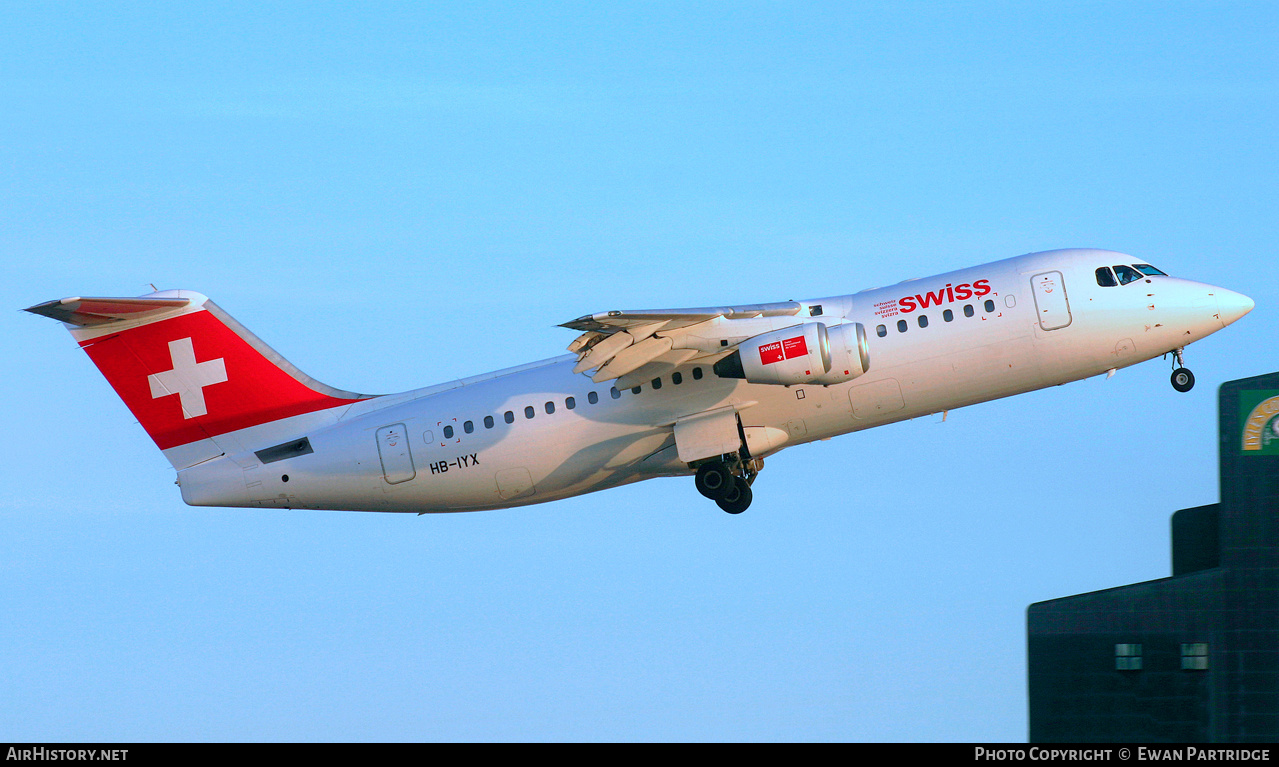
(617,343)
(608,322)
(632,357)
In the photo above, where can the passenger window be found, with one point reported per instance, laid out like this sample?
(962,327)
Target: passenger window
(881,331)
(948,315)
(488,421)
(636,389)
(697,374)
(1127,274)
(923,320)
(448,432)
(968,310)
(614,393)
(592,398)
(570,403)
(657,383)
(550,408)
(509,417)
(1106,278)
(529,412)
(677,378)
(901,326)
(468,427)
(990,306)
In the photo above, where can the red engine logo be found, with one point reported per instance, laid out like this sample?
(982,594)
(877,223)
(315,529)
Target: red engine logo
(782,350)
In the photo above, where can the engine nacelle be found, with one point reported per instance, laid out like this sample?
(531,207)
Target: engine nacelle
(804,354)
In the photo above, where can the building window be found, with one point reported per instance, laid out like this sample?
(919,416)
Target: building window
(1128,657)
(1194,656)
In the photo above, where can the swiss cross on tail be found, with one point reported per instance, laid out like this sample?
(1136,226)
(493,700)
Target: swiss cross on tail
(188,378)
(185,369)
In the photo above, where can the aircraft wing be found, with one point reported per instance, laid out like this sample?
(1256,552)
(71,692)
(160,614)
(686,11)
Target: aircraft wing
(636,345)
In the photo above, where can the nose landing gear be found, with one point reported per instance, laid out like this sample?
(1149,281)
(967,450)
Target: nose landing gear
(1182,379)
(727,481)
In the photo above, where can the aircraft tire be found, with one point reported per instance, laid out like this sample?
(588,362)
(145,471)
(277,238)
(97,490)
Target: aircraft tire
(713,480)
(1183,380)
(737,499)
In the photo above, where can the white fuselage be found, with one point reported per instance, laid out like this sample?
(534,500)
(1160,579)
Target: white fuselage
(391,453)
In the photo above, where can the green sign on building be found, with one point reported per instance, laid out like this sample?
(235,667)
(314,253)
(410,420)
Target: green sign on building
(1259,413)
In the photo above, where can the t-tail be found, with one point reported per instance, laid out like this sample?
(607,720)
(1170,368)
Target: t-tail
(198,381)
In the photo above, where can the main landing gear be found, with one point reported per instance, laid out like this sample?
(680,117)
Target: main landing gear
(727,481)
(1182,379)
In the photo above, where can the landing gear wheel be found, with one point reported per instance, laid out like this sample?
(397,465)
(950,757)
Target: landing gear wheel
(714,480)
(1183,380)
(737,499)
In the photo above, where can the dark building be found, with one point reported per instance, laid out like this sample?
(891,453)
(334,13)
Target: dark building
(1190,658)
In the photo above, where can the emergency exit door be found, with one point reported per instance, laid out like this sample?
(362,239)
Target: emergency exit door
(393,449)
(1051,304)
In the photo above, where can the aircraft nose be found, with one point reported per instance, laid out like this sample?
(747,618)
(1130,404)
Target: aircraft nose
(1231,305)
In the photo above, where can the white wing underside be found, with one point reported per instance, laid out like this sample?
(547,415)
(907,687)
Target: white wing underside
(636,346)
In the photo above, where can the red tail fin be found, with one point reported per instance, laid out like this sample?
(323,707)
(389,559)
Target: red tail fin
(186,369)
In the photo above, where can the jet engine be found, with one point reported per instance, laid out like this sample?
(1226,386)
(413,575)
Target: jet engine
(804,354)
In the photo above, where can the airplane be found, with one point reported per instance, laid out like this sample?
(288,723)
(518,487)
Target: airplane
(709,392)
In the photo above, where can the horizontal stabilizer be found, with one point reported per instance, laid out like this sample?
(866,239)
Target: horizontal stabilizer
(86,312)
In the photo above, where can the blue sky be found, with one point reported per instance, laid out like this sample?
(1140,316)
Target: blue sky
(394,195)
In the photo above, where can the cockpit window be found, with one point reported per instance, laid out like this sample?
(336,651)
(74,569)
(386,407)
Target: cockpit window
(1106,278)
(1148,270)
(1127,274)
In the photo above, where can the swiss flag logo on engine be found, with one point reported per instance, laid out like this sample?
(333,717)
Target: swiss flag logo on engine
(782,350)
(770,353)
